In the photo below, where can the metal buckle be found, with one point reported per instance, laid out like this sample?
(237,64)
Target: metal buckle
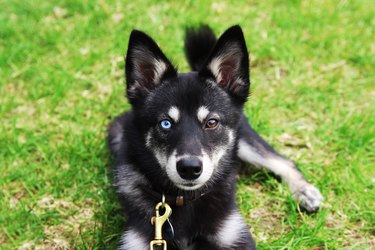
(159,243)
(158,221)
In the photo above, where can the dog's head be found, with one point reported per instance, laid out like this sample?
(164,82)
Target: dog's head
(189,120)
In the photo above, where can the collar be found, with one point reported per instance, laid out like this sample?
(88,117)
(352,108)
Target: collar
(173,200)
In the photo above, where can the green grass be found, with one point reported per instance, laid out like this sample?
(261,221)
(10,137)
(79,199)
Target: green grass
(61,81)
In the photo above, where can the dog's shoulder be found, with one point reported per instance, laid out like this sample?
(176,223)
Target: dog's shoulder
(116,131)
(126,176)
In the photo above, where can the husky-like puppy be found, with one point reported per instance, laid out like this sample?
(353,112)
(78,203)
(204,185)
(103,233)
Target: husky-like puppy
(183,138)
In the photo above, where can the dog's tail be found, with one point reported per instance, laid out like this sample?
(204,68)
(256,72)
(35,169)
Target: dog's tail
(198,45)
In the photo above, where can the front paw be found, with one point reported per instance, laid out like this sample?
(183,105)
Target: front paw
(308,197)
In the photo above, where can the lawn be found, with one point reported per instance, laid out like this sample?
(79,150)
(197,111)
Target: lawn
(62,80)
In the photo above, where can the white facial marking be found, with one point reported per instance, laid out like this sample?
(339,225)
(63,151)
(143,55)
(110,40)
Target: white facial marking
(202,113)
(132,240)
(174,113)
(148,139)
(232,230)
(208,168)
(171,169)
(219,152)
(157,151)
(209,163)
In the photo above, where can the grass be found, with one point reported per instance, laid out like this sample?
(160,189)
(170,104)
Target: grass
(61,81)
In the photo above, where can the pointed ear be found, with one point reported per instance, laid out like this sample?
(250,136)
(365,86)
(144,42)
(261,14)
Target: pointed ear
(145,67)
(228,64)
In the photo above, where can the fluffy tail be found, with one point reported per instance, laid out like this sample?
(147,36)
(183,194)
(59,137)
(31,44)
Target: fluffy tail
(198,45)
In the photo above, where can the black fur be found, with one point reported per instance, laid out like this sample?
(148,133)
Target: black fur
(198,46)
(145,153)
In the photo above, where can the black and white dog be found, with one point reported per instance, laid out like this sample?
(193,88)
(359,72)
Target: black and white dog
(183,138)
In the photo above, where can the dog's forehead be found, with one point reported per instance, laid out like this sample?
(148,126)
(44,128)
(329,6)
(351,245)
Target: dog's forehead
(187,93)
(188,76)
(183,91)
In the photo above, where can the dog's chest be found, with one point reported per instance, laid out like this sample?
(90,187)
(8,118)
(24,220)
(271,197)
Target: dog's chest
(194,222)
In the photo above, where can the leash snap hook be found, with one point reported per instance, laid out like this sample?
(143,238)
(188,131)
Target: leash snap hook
(158,220)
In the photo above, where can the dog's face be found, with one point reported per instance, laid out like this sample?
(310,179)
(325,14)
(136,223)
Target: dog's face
(189,120)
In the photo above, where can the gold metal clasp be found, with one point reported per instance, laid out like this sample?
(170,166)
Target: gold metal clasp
(158,222)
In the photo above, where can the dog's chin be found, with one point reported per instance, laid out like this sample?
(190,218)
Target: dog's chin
(191,186)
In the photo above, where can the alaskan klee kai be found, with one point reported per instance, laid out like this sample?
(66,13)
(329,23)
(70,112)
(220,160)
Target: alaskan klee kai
(183,138)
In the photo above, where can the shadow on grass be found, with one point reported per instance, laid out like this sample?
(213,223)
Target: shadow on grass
(254,174)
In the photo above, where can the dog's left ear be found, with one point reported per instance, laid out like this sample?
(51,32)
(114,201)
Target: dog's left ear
(228,64)
(146,66)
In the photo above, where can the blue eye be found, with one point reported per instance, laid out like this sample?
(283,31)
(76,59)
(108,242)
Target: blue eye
(165,124)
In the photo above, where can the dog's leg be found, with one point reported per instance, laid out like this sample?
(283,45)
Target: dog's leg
(255,150)
(232,233)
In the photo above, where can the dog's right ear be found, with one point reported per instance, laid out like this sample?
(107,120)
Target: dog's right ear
(146,66)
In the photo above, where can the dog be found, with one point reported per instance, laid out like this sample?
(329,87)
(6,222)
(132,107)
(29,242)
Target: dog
(182,141)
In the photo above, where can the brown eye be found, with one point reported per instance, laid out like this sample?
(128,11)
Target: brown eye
(212,123)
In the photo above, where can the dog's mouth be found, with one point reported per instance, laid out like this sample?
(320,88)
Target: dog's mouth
(189,185)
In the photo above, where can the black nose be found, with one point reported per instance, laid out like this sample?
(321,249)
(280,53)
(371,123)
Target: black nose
(189,168)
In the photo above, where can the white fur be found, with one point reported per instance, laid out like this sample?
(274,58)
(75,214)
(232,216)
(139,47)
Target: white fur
(161,157)
(128,179)
(231,230)
(202,113)
(174,113)
(132,240)
(279,165)
(208,165)
(171,168)
(215,66)
(148,139)
(219,152)
(209,162)
(207,170)
(142,56)
(308,195)
(127,182)
(158,152)
(231,53)
(117,139)
(135,87)
(160,68)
